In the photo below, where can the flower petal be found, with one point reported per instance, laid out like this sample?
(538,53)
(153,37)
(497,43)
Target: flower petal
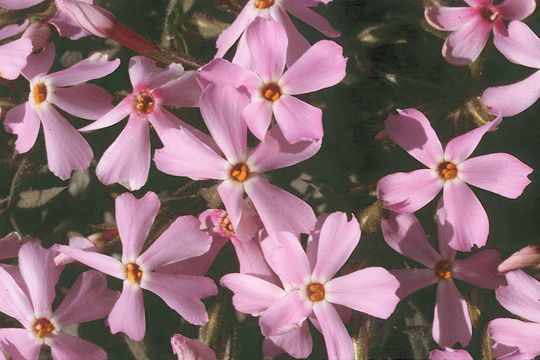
(520,295)
(449,18)
(13,29)
(338,342)
(310,17)
(97,101)
(19,344)
(403,233)
(127,160)
(519,44)
(13,56)
(69,347)
(450,354)
(267,198)
(127,315)
(228,37)
(93,67)
(515,334)
(18,4)
(105,264)
(251,260)
(516,9)
(466,215)
(182,293)
(408,192)
(286,314)
(298,120)
(13,300)
(39,63)
(297,42)
(371,290)
(184,91)
(116,114)
(23,121)
(144,74)
(298,343)
(451,323)
(479,269)
(252,295)
(412,280)
(464,45)
(257,116)
(223,72)
(232,196)
(337,240)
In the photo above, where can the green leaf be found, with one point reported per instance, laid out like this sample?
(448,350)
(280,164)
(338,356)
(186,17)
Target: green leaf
(35,198)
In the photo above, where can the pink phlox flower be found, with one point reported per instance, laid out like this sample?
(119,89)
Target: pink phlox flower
(516,339)
(273,10)
(127,160)
(66,25)
(450,170)
(30,302)
(451,323)
(449,354)
(14,54)
(239,170)
(271,89)
(66,149)
(190,349)
(472,25)
(521,46)
(182,240)
(309,289)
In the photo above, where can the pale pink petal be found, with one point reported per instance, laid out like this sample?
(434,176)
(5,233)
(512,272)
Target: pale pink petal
(162,120)
(232,196)
(18,4)
(221,109)
(464,212)
(38,33)
(298,120)
(280,251)
(23,121)
(128,315)
(77,243)
(69,347)
(464,45)
(445,232)
(97,101)
(313,240)
(242,56)
(275,152)
(40,275)
(13,57)
(87,300)
(520,295)
(19,345)
(515,334)
(252,295)
(516,9)
(267,198)
(412,131)
(182,293)
(13,29)
(519,44)
(267,42)
(93,67)
(450,354)
(408,192)
(134,218)
(127,160)
(10,245)
(182,240)
(186,155)
(286,314)
(39,63)
(525,257)
(460,148)
(257,116)
(222,72)
(449,18)
(412,280)
(116,114)
(228,37)
(451,322)
(371,290)
(187,348)
(321,66)
(403,233)
(297,343)
(338,342)
(145,74)
(310,17)
(184,91)
(479,269)
(476,3)
(500,173)
(67,150)
(337,240)
(13,300)
(67,26)
(251,260)
(298,44)
(105,264)
(512,99)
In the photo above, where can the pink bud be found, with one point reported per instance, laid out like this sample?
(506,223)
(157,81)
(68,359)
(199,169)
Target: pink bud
(528,256)
(38,33)
(191,349)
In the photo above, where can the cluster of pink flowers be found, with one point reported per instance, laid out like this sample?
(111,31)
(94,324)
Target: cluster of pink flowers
(279,281)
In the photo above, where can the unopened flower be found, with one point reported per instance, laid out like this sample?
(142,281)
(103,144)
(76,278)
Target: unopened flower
(271,89)
(66,149)
(191,349)
(451,322)
(528,256)
(88,299)
(182,240)
(14,54)
(472,25)
(450,170)
(127,160)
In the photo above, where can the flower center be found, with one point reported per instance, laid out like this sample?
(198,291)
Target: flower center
(134,273)
(271,92)
(489,14)
(43,328)
(226,224)
(39,93)
(315,292)
(264,4)
(240,172)
(143,102)
(443,269)
(447,170)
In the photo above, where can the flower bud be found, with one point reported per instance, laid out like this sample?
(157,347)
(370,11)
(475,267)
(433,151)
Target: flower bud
(190,349)
(528,256)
